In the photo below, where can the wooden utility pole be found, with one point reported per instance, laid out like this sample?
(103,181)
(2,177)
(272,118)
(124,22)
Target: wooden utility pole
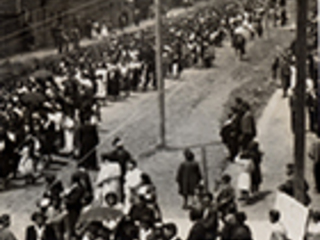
(299,138)
(160,81)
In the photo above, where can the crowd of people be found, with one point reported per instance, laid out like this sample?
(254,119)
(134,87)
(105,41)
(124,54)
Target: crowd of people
(56,109)
(284,70)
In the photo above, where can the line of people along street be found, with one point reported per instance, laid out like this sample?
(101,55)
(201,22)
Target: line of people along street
(56,111)
(54,106)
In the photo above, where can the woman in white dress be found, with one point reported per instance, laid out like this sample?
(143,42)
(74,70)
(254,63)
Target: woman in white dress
(108,180)
(68,134)
(313,228)
(101,81)
(29,166)
(244,178)
(133,181)
(104,30)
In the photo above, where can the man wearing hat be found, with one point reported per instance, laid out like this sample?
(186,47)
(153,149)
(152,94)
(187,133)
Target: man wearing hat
(5,232)
(122,156)
(39,231)
(188,177)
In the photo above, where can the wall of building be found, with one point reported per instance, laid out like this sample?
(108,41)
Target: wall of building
(27,24)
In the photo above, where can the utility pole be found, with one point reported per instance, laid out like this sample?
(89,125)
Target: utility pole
(318,65)
(160,81)
(299,138)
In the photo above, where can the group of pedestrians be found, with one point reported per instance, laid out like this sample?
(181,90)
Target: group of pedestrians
(284,69)
(54,108)
(56,111)
(278,12)
(121,203)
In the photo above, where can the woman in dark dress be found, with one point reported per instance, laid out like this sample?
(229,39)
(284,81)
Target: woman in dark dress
(256,175)
(114,83)
(89,139)
(188,177)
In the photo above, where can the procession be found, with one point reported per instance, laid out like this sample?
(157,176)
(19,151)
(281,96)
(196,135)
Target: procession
(77,161)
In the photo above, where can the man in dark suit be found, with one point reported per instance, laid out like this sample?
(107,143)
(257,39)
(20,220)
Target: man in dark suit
(5,232)
(188,177)
(198,230)
(74,198)
(39,231)
(122,156)
(85,180)
(210,217)
(54,187)
(247,127)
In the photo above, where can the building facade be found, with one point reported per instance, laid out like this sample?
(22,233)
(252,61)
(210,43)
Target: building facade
(27,24)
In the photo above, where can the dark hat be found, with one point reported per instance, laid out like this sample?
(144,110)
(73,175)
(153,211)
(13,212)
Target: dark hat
(189,155)
(49,177)
(36,215)
(226,178)
(117,142)
(290,166)
(241,217)
(4,219)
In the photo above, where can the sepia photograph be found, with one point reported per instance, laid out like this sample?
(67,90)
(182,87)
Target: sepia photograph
(159,120)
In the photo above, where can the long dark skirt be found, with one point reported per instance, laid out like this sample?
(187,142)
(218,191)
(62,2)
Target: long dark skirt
(114,87)
(316,169)
(89,139)
(256,178)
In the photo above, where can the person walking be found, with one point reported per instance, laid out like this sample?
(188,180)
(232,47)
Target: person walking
(40,230)
(241,231)
(89,140)
(188,177)
(278,231)
(313,228)
(256,175)
(226,197)
(122,156)
(210,217)
(74,204)
(5,232)
(108,180)
(198,230)
(230,133)
(132,181)
(244,178)
(247,127)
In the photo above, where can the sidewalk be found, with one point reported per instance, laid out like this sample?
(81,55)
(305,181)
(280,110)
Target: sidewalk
(276,141)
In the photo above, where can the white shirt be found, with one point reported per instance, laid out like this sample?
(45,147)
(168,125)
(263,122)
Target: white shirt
(133,178)
(39,230)
(278,232)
